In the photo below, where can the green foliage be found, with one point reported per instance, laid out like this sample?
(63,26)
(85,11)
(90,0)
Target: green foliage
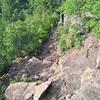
(77,40)
(92,25)
(69,36)
(96,29)
(25,36)
(72,7)
(88,12)
(77,7)
(2,90)
(76,35)
(24,26)
(3,59)
(14,10)
(23,79)
(92,6)
(65,42)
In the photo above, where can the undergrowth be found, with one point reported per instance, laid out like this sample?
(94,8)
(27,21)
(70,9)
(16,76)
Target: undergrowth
(88,11)
(69,37)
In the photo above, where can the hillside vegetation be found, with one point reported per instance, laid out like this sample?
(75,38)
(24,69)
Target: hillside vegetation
(86,13)
(26,25)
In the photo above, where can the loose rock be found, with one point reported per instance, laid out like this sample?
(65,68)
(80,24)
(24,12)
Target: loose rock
(20,91)
(41,89)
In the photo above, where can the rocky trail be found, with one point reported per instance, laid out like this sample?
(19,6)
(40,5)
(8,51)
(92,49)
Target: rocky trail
(47,58)
(65,74)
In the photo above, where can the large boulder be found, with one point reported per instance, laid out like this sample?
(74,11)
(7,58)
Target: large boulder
(26,91)
(90,91)
(90,87)
(20,91)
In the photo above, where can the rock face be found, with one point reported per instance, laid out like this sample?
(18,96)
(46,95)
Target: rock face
(90,87)
(25,91)
(90,91)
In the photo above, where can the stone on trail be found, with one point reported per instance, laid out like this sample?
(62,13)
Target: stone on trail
(41,89)
(33,61)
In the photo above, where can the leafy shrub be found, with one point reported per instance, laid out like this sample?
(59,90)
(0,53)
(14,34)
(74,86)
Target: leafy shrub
(69,36)
(3,59)
(24,26)
(92,6)
(77,40)
(92,25)
(88,12)
(22,37)
(96,29)
(72,7)
(2,90)
(76,35)
(77,7)
(65,42)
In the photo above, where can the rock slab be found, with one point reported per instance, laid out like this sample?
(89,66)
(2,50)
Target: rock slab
(25,91)
(41,89)
(90,87)
(20,91)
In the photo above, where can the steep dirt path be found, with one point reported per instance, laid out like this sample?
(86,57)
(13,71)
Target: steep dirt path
(49,51)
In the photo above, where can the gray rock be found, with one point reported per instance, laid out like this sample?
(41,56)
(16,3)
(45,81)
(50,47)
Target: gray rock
(29,91)
(90,91)
(25,91)
(20,91)
(41,89)
(33,61)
